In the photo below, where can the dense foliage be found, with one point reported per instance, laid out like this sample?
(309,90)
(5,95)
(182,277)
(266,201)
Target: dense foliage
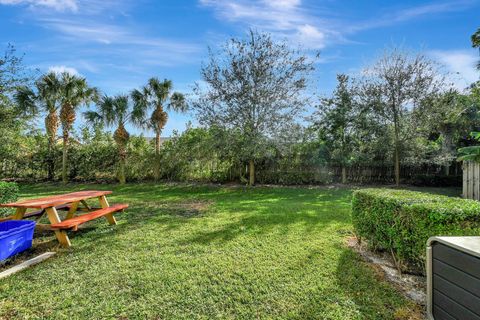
(8,193)
(401,221)
(259,121)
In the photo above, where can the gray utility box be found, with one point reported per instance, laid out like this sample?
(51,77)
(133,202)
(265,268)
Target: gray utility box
(453,278)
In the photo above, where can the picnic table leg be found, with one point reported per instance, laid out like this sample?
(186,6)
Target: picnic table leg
(61,235)
(19,213)
(104,204)
(72,210)
(85,204)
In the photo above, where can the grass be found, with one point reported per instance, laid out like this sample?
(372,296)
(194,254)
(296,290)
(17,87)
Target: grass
(205,252)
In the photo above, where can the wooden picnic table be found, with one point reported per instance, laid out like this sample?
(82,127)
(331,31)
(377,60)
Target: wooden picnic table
(70,202)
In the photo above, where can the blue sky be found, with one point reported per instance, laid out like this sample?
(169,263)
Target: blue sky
(119,44)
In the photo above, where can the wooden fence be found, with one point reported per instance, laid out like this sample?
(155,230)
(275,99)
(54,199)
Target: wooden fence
(471,180)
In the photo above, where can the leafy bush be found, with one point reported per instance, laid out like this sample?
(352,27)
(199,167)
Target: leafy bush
(401,221)
(8,193)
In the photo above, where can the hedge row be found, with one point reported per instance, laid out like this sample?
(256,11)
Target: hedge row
(8,193)
(401,221)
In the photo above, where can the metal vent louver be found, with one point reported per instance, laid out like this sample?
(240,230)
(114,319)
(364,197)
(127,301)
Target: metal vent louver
(453,278)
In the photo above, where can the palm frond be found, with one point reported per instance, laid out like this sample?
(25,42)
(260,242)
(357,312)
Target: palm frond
(475,135)
(178,102)
(159,90)
(49,90)
(114,110)
(140,107)
(26,101)
(93,117)
(471,153)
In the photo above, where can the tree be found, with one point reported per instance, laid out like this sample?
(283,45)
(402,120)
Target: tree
(117,111)
(336,120)
(476,43)
(450,114)
(45,99)
(74,92)
(393,87)
(13,75)
(255,86)
(158,95)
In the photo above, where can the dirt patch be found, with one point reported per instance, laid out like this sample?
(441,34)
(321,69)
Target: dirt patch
(407,313)
(411,286)
(186,209)
(191,208)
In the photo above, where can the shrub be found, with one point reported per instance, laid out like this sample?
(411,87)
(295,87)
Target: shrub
(401,221)
(8,193)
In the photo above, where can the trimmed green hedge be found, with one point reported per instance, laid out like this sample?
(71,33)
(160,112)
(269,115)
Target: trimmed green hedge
(8,193)
(401,221)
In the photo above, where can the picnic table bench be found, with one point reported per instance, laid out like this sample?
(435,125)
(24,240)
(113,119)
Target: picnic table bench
(69,202)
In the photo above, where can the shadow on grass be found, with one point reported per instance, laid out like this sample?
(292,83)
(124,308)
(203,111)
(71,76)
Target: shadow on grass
(261,222)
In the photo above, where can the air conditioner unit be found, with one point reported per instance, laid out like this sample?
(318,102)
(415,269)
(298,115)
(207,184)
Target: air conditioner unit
(453,278)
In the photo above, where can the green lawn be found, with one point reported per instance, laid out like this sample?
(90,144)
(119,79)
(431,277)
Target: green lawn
(204,252)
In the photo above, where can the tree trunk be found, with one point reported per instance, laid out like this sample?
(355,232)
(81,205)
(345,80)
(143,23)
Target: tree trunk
(448,147)
(67,117)
(121,170)
(397,165)
(65,157)
(121,137)
(446,169)
(251,169)
(51,126)
(344,174)
(397,149)
(156,167)
(157,143)
(50,163)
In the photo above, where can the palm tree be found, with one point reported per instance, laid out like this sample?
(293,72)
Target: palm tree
(74,92)
(116,111)
(44,100)
(158,95)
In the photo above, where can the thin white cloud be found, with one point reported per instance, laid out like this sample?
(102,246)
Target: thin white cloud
(461,64)
(85,30)
(282,3)
(317,28)
(433,8)
(58,5)
(407,14)
(111,34)
(61,69)
(284,18)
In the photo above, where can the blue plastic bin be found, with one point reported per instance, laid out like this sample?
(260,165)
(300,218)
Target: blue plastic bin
(15,236)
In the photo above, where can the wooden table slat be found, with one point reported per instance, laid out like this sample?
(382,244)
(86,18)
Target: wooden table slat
(56,200)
